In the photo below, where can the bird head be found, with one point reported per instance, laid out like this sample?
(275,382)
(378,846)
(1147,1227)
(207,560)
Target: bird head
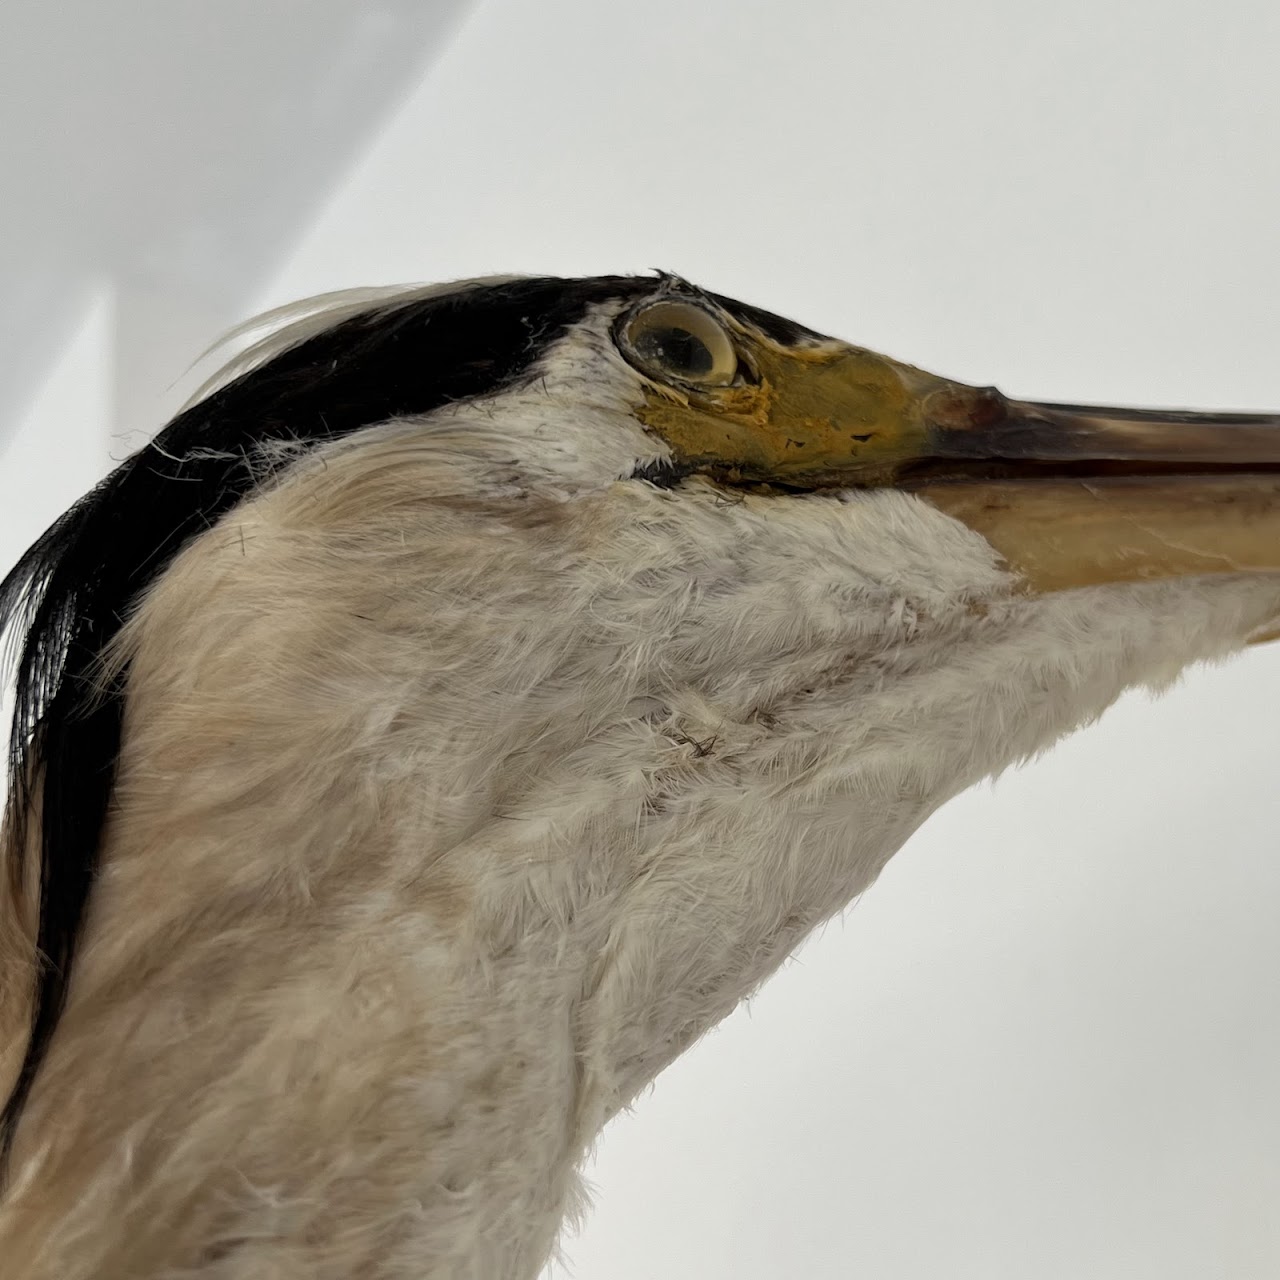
(610,631)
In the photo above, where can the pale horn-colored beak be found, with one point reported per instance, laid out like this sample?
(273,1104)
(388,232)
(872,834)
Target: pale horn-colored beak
(1074,495)
(1070,495)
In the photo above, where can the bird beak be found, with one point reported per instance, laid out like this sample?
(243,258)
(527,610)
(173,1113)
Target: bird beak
(1079,495)
(1069,495)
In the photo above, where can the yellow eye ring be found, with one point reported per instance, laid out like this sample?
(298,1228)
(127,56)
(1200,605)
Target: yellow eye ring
(678,341)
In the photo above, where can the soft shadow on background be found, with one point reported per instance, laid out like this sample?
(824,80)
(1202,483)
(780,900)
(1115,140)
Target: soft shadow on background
(1046,1043)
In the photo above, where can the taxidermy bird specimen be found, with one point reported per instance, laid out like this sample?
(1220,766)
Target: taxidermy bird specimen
(479,691)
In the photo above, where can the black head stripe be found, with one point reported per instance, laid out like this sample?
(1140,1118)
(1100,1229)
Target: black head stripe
(69,594)
(785,332)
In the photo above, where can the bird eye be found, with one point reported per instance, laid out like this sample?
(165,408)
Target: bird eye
(680,341)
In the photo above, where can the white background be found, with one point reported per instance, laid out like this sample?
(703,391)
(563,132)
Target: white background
(1047,1043)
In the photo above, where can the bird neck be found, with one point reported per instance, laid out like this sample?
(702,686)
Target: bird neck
(422,865)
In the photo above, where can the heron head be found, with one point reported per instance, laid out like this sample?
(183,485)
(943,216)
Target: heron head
(491,578)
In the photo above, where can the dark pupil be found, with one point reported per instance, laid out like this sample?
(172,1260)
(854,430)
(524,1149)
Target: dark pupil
(677,349)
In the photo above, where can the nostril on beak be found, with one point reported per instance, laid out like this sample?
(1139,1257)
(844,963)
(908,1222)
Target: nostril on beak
(960,408)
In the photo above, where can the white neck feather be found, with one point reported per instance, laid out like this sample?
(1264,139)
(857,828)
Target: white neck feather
(442,829)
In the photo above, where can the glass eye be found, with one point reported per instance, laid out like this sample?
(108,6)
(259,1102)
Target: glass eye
(681,342)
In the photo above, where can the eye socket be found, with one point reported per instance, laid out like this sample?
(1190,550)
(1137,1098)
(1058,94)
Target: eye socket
(681,341)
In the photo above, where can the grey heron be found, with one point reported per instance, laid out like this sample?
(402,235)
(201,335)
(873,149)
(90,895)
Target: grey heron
(480,690)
